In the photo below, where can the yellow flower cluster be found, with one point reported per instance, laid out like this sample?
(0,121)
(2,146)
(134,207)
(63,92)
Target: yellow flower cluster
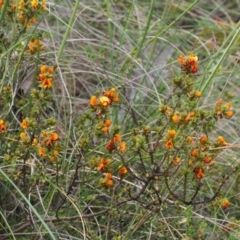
(25,10)
(104,166)
(106,99)
(45,144)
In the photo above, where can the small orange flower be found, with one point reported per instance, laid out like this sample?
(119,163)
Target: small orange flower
(54,136)
(3,127)
(171,133)
(112,94)
(194,153)
(176,118)
(198,94)
(108,123)
(222,141)
(176,161)
(229,114)
(108,175)
(169,144)
(103,165)
(42,152)
(203,139)
(199,173)
(43,69)
(50,70)
(47,83)
(49,138)
(122,146)
(117,138)
(34,3)
(122,170)
(23,135)
(105,101)
(109,181)
(35,45)
(24,124)
(207,159)
(228,105)
(225,203)
(34,142)
(110,145)
(105,129)
(93,101)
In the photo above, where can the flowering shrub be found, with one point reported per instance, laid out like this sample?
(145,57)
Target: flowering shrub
(176,153)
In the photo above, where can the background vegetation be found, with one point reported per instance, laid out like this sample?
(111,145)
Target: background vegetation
(53,187)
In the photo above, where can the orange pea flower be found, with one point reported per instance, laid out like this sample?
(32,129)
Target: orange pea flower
(49,138)
(112,94)
(207,159)
(229,114)
(3,127)
(122,146)
(110,145)
(228,105)
(103,165)
(34,142)
(117,138)
(47,83)
(198,94)
(42,152)
(93,101)
(54,136)
(34,3)
(222,141)
(176,118)
(23,135)
(109,181)
(203,139)
(24,124)
(122,170)
(43,69)
(194,153)
(225,203)
(105,101)
(169,144)
(171,133)
(107,124)
(199,173)
(188,117)
(35,45)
